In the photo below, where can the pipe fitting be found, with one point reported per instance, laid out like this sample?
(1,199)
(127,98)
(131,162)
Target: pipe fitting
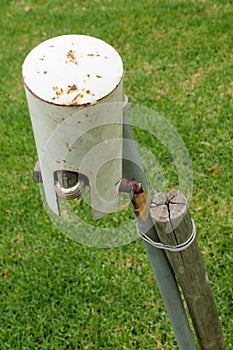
(70,192)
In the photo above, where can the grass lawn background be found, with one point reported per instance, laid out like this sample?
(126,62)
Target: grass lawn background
(178,60)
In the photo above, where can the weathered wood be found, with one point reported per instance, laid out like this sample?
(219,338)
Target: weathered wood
(174,226)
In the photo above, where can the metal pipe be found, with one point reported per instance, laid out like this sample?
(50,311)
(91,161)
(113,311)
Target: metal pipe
(74,90)
(162,270)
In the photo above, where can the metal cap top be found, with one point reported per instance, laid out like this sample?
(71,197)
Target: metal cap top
(72,70)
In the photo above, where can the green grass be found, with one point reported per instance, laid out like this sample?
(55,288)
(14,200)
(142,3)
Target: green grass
(56,294)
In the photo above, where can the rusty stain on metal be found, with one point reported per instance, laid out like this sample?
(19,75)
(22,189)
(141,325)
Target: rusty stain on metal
(72,57)
(142,205)
(88,59)
(76,98)
(58,91)
(139,197)
(93,55)
(72,88)
(129,186)
(80,95)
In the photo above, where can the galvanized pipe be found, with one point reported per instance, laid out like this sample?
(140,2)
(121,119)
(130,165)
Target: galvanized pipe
(162,270)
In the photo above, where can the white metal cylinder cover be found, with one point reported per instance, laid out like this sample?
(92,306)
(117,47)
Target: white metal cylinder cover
(74,90)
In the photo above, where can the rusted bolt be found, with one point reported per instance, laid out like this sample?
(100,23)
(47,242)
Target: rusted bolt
(130,186)
(139,198)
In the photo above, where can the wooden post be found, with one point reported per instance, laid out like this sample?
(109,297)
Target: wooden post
(174,226)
